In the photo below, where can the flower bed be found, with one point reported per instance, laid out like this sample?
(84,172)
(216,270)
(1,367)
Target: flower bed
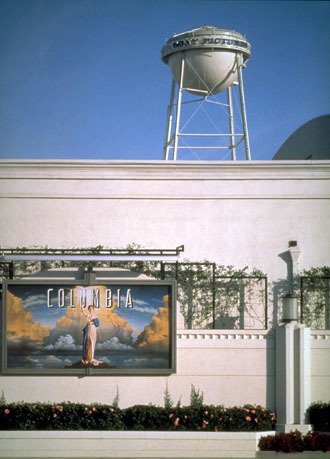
(295,442)
(78,416)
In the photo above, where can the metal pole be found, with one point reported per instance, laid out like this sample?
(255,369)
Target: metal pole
(241,91)
(169,123)
(11,270)
(178,110)
(266,302)
(213,294)
(231,124)
(302,300)
(327,304)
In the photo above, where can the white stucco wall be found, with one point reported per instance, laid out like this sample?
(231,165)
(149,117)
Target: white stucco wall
(233,213)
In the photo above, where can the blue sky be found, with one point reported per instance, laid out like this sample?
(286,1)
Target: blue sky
(83,79)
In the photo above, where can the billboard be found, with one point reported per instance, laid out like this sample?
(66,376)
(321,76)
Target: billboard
(67,328)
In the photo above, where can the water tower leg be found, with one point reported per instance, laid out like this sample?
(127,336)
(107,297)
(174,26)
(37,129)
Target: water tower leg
(241,91)
(169,123)
(178,110)
(231,123)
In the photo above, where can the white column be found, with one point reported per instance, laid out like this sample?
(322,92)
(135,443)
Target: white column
(292,377)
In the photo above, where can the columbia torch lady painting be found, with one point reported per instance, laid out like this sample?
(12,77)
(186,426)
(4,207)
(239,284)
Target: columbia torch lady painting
(89,336)
(66,329)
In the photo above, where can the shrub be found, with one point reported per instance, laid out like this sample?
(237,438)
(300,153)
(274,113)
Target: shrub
(146,417)
(319,414)
(196,397)
(295,442)
(63,416)
(78,416)
(168,402)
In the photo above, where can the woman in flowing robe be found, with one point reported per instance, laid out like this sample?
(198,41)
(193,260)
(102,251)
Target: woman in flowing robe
(89,336)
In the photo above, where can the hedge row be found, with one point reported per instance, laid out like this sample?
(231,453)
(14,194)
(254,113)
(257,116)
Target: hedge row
(295,442)
(78,416)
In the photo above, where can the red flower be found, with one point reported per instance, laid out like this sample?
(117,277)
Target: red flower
(6,411)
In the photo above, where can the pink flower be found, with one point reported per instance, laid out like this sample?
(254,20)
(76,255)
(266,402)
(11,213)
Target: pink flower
(248,418)
(6,411)
(256,420)
(253,411)
(93,409)
(89,412)
(176,422)
(205,423)
(247,410)
(171,415)
(54,415)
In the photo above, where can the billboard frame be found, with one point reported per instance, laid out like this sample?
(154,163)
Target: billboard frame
(89,370)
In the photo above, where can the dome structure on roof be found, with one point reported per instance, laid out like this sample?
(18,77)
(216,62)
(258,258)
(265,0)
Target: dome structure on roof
(310,141)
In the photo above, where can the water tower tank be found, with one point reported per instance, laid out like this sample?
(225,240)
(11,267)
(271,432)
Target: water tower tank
(211,58)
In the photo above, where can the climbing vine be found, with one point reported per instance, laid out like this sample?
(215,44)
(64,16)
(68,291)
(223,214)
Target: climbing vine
(210,295)
(315,297)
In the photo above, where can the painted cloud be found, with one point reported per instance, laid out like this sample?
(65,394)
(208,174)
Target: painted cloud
(155,336)
(20,324)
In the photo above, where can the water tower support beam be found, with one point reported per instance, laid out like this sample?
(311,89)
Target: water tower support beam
(178,110)
(231,124)
(169,123)
(241,91)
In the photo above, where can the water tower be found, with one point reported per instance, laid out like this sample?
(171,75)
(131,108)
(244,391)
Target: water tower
(205,62)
